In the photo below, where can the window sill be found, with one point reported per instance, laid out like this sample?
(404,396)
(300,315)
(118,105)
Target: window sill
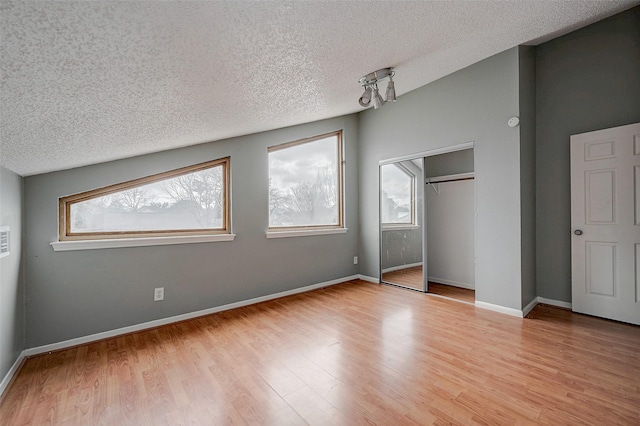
(306,232)
(138,242)
(400,228)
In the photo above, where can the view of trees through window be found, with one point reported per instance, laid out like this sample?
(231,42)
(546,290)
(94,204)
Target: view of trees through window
(190,201)
(304,183)
(397,195)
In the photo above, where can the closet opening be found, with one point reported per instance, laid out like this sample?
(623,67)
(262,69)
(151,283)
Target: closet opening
(427,223)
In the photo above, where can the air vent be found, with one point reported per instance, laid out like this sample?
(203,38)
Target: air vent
(4,241)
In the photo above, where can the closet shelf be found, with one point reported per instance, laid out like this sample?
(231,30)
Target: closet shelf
(450,178)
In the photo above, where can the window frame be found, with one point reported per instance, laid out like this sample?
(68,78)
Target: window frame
(414,178)
(64,206)
(340,176)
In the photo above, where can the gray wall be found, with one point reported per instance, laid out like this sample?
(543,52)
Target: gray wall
(528,171)
(450,163)
(11,280)
(586,80)
(450,233)
(78,293)
(470,105)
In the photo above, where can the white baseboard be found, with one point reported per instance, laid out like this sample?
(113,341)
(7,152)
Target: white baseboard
(552,302)
(164,321)
(452,283)
(12,371)
(368,278)
(400,267)
(529,307)
(502,309)
(525,311)
(449,299)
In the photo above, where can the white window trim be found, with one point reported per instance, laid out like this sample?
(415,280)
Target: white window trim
(392,227)
(138,242)
(305,232)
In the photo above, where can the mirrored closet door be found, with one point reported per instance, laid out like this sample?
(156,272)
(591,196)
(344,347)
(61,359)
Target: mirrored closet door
(401,219)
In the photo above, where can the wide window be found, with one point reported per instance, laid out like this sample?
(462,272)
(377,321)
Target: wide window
(192,200)
(305,183)
(398,195)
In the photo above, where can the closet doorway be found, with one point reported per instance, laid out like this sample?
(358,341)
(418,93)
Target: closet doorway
(427,223)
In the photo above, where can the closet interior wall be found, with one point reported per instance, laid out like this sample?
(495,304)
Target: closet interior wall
(450,218)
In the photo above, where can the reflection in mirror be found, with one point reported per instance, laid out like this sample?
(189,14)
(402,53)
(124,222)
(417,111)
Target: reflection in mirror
(401,193)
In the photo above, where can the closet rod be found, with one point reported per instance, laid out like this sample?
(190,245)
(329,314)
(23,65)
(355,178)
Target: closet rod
(449,180)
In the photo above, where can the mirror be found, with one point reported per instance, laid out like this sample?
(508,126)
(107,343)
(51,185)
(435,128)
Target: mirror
(401,218)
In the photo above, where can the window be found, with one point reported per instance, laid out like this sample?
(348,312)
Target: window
(305,184)
(398,195)
(192,200)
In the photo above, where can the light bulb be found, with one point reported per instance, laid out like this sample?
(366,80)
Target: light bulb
(391,91)
(377,99)
(365,99)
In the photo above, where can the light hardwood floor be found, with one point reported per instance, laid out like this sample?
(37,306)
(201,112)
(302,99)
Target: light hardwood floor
(412,277)
(452,292)
(354,353)
(409,277)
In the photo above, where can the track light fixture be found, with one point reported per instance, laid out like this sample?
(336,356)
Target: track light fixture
(366,97)
(371,92)
(377,99)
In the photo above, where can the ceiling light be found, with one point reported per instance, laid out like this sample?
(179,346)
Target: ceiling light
(370,84)
(377,99)
(365,99)
(391,91)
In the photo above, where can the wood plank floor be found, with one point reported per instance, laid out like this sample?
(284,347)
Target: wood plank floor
(409,277)
(453,292)
(412,278)
(351,354)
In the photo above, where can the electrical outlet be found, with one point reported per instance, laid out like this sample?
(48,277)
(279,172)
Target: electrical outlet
(355,260)
(158,294)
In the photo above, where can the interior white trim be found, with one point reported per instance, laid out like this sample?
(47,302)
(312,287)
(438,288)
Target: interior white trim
(529,307)
(368,278)
(306,232)
(139,242)
(501,309)
(12,372)
(558,303)
(443,150)
(406,227)
(164,321)
(400,267)
(457,176)
(452,283)
(525,311)
(451,299)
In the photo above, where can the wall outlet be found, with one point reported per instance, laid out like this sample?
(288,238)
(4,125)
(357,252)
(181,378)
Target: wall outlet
(355,260)
(158,294)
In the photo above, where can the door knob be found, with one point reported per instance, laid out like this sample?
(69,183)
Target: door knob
(578,232)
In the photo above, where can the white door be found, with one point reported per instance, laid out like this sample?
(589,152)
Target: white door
(605,221)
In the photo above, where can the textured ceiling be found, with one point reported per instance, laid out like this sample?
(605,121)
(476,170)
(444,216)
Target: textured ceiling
(87,82)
